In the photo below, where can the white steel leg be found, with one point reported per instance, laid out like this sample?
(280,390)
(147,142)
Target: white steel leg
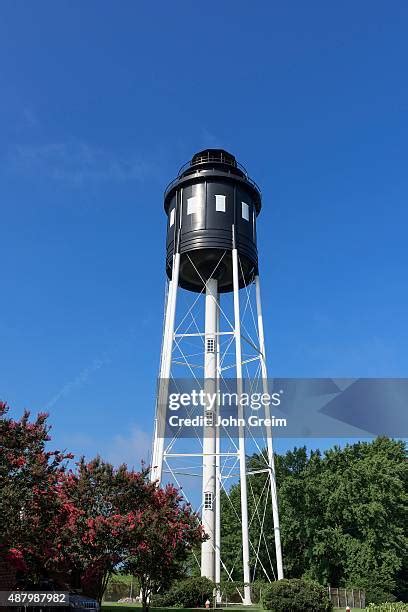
(209,442)
(271,459)
(241,448)
(165,370)
(217,478)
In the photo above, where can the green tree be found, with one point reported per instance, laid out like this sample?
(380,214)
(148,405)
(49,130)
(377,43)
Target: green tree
(344,516)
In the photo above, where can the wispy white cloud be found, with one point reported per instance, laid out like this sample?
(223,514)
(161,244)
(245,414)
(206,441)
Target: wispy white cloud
(79,439)
(77,163)
(80,379)
(131,449)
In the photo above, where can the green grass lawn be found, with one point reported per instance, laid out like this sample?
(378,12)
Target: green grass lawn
(113,604)
(115,607)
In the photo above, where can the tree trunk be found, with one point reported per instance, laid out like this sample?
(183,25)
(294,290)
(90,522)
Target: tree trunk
(103,585)
(145,596)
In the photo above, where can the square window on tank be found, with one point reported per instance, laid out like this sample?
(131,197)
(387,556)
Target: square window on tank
(245,211)
(192,205)
(172,215)
(220,203)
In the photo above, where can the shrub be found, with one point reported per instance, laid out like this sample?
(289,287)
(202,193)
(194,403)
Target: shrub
(187,593)
(388,607)
(161,600)
(377,594)
(295,595)
(232,590)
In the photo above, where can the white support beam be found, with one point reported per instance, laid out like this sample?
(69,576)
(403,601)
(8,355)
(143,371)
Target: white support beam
(201,454)
(218,476)
(242,456)
(209,438)
(165,371)
(271,458)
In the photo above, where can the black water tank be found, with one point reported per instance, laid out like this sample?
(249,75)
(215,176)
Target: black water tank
(212,194)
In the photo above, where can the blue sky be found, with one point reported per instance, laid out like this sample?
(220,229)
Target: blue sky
(100,104)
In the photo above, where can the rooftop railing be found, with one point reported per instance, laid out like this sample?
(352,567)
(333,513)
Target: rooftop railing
(206,159)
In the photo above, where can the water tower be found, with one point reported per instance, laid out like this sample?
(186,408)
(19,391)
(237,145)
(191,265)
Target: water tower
(211,250)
